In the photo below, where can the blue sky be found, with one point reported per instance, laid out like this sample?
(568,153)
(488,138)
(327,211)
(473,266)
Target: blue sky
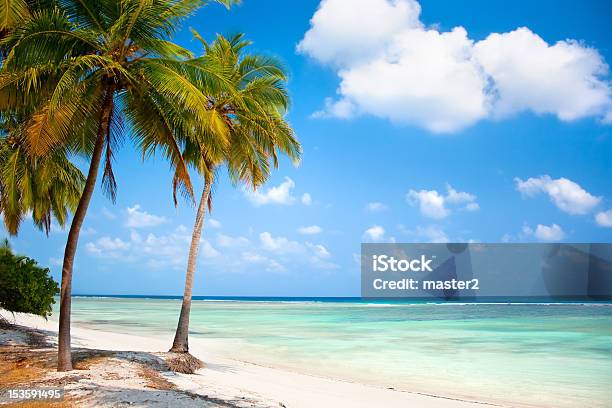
(430,133)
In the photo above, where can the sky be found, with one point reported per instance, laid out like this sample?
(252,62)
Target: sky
(428,121)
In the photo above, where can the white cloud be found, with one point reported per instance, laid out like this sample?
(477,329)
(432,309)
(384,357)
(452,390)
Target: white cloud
(545,233)
(376,207)
(270,264)
(310,230)
(229,241)
(567,195)
(275,266)
(306,199)
(459,197)
(564,79)
(288,251)
(604,218)
(278,244)
(228,253)
(374,233)
(431,203)
(319,250)
(212,223)
(435,205)
(154,250)
(253,257)
(280,194)
(107,246)
(142,219)
(208,250)
(431,233)
(342,109)
(472,207)
(346,32)
(445,81)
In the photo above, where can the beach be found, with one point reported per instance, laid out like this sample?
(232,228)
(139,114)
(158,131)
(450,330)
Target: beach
(230,382)
(303,354)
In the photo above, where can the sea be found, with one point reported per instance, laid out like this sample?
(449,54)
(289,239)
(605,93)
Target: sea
(517,354)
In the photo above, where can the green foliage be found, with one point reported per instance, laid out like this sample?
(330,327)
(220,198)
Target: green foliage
(24,286)
(61,61)
(254,112)
(44,188)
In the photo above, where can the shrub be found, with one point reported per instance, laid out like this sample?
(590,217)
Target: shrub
(24,286)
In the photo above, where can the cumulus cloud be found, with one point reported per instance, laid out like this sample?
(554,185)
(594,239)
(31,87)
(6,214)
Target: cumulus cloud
(432,233)
(566,194)
(319,250)
(306,199)
(315,255)
(374,233)
(212,223)
(444,81)
(231,241)
(545,233)
(604,218)
(154,250)
(142,219)
(281,194)
(432,204)
(342,35)
(106,245)
(565,79)
(229,253)
(341,109)
(269,264)
(376,207)
(278,244)
(310,230)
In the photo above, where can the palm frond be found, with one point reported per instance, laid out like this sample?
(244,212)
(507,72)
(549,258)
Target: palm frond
(13,13)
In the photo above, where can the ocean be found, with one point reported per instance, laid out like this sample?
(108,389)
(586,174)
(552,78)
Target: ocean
(543,355)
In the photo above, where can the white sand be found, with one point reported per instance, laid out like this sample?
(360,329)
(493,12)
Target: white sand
(238,381)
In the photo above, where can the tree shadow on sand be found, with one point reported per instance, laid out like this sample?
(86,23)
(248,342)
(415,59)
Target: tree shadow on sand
(100,377)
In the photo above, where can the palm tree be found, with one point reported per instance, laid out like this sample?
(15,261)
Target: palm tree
(46,187)
(83,68)
(254,114)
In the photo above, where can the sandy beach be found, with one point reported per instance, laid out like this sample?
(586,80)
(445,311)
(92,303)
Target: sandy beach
(123,377)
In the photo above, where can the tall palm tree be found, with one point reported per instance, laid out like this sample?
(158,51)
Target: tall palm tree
(81,69)
(254,114)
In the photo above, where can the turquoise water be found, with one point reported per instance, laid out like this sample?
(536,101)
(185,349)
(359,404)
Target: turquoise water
(528,355)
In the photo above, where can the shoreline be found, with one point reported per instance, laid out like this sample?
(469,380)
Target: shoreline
(226,379)
(399,301)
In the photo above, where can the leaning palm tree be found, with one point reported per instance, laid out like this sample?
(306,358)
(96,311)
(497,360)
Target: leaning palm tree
(254,114)
(83,68)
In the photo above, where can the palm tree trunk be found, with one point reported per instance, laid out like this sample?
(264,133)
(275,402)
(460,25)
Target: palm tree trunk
(181,344)
(64,353)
